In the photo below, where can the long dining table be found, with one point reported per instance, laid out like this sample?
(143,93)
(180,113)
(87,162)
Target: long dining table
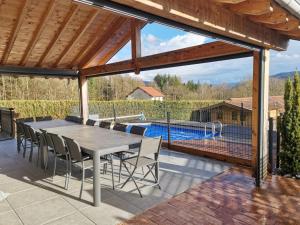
(93,140)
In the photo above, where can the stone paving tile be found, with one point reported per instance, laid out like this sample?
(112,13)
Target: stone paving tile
(45,211)
(9,218)
(74,219)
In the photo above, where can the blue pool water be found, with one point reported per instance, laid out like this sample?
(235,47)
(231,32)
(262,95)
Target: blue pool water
(177,133)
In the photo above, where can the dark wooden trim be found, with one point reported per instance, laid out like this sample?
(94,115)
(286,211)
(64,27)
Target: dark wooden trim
(198,152)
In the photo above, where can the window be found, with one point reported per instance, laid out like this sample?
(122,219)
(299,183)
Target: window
(234,115)
(243,116)
(219,115)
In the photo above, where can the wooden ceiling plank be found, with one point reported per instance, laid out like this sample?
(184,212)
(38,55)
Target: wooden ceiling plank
(39,30)
(97,48)
(277,16)
(190,54)
(252,7)
(74,8)
(16,29)
(86,48)
(77,37)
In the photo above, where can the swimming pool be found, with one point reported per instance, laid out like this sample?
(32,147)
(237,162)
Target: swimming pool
(177,133)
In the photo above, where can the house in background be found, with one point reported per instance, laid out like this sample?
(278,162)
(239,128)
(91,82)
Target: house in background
(238,111)
(145,93)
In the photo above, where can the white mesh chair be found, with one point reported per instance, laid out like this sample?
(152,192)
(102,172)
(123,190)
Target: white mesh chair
(147,157)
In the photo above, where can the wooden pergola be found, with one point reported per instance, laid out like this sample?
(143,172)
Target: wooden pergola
(76,38)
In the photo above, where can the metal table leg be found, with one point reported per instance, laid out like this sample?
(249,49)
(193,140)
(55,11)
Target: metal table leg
(96,179)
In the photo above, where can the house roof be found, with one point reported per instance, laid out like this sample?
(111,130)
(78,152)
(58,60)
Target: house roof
(275,102)
(151,91)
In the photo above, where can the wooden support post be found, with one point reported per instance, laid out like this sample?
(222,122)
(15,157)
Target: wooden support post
(135,44)
(83,91)
(260,114)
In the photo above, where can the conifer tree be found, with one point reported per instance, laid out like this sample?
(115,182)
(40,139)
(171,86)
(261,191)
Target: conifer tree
(290,128)
(286,126)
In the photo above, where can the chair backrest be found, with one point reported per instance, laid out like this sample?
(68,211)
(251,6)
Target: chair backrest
(20,129)
(150,146)
(33,134)
(120,127)
(138,130)
(90,122)
(26,131)
(48,138)
(42,139)
(58,144)
(105,124)
(73,148)
(74,119)
(43,118)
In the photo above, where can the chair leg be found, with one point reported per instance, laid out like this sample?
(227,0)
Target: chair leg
(112,172)
(25,146)
(38,156)
(31,152)
(54,167)
(82,181)
(67,174)
(120,167)
(131,177)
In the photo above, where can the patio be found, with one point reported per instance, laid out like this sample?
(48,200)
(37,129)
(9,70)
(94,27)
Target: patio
(35,199)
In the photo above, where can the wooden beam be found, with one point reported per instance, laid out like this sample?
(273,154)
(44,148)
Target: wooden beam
(260,114)
(204,17)
(135,43)
(97,48)
(74,8)
(168,59)
(252,7)
(39,30)
(84,98)
(291,24)
(81,31)
(277,16)
(229,1)
(16,29)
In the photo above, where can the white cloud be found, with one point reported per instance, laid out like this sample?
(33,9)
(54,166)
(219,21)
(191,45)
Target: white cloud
(153,45)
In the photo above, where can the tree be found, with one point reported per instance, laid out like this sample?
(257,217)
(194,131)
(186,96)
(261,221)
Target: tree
(290,128)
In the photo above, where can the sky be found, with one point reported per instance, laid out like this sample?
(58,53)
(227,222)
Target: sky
(158,38)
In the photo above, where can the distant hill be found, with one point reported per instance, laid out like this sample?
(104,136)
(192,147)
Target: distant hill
(283,75)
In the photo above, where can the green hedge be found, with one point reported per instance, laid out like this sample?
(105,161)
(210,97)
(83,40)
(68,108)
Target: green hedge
(151,109)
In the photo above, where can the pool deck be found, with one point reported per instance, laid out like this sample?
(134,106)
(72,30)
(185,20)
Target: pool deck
(229,198)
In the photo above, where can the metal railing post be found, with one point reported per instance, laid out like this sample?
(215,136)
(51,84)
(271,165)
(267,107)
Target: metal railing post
(278,140)
(271,130)
(169,132)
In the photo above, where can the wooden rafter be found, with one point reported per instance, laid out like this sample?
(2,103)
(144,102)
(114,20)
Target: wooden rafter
(135,43)
(81,31)
(74,8)
(291,24)
(89,56)
(229,1)
(16,29)
(277,16)
(252,7)
(39,30)
(209,51)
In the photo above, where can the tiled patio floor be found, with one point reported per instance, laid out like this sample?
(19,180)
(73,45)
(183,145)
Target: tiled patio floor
(35,199)
(229,198)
